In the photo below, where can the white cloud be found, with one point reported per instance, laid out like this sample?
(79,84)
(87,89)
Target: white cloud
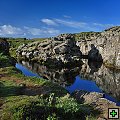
(42,31)
(69,23)
(66,16)
(10,30)
(74,24)
(85,26)
(48,22)
(103,25)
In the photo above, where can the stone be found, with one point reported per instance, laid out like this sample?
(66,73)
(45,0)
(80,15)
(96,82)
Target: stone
(87,97)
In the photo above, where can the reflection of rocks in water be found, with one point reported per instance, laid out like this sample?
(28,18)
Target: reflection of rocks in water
(64,76)
(108,80)
(94,66)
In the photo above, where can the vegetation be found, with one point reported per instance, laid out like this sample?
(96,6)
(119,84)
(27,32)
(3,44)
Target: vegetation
(15,43)
(43,107)
(86,35)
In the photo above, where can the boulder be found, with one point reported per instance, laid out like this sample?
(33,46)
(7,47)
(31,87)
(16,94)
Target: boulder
(87,97)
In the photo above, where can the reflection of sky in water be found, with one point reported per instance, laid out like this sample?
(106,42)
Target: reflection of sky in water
(87,85)
(25,71)
(79,83)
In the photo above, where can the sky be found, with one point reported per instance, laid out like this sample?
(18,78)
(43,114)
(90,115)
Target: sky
(46,18)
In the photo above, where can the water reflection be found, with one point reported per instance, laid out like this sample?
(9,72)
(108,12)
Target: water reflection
(108,80)
(62,76)
(91,76)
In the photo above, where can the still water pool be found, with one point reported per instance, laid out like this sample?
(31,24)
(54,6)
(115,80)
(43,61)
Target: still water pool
(91,77)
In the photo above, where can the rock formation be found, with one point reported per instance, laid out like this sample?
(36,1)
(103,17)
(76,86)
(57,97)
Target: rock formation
(97,100)
(4,46)
(107,43)
(63,49)
(60,50)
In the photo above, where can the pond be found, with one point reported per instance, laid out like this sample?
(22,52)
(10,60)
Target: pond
(91,76)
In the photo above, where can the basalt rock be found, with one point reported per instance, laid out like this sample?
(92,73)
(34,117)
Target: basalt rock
(60,50)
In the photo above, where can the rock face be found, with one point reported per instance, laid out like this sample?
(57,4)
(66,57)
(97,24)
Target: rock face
(107,43)
(63,49)
(60,50)
(4,46)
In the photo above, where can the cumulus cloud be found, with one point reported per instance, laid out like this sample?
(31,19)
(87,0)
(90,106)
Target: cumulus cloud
(42,31)
(13,31)
(49,22)
(10,30)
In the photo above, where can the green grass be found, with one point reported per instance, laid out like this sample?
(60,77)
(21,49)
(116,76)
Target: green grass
(86,35)
(8,88)
(15,43)
(5,60)
(43,108)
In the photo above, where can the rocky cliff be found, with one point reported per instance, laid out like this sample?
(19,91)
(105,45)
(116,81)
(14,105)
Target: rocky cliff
(60,50)
(64,49)
(106,42)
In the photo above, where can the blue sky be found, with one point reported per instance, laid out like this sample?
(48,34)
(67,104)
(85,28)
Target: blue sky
(45,18)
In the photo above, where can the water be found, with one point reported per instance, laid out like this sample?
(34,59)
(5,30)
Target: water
(92,77)
(26,71)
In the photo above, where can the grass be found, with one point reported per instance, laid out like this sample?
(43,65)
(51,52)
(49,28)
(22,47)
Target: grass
(43,108)
(15,43)
(6,60)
